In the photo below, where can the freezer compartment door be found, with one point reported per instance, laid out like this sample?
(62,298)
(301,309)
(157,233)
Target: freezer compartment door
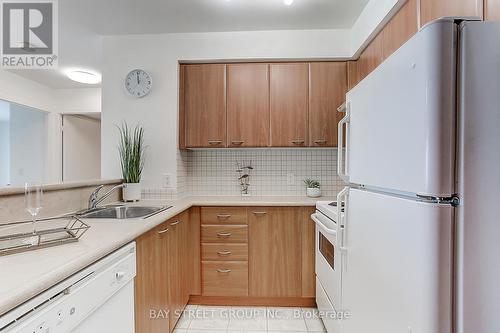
(398,268)
(402,117)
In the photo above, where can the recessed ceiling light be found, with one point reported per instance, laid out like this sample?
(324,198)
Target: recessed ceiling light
(84,77)
(288,2)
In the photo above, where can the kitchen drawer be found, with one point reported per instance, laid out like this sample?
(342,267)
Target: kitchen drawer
(225,278)
(223,215)
(224,234)
(229,252)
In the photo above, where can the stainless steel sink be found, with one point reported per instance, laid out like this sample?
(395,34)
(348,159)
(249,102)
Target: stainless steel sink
(123,212)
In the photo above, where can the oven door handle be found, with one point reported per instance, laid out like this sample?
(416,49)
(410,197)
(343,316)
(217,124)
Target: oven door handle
(322,226)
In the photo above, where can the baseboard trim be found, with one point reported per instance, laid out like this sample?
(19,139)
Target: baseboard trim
(253,301)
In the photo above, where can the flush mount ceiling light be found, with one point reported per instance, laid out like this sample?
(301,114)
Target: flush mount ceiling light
(288,2)
(84,77)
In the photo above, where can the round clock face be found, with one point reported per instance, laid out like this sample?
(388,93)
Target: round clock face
(138,83)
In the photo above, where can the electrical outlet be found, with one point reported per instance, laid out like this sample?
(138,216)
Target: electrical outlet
(167,180)
(290,178)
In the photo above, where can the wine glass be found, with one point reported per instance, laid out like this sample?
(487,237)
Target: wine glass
(33,194)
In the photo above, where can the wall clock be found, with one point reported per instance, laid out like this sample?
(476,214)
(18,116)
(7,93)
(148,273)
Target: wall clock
(138,83)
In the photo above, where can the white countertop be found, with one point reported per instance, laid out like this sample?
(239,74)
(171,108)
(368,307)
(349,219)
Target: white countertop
(27,274)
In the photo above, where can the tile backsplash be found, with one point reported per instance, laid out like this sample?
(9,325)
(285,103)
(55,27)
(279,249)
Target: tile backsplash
(276,171)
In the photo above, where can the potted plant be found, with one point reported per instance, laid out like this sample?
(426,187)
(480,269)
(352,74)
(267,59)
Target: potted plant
(313,188)
(131,149)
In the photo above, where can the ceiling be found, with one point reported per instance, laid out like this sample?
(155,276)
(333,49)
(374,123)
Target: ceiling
(82,23)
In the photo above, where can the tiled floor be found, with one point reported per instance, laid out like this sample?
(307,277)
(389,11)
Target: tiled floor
(235,319)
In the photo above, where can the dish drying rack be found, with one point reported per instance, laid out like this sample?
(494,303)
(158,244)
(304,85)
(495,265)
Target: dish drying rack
(49,232)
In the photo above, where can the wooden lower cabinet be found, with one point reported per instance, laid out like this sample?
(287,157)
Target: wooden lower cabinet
(268,259)
(224,238)
(151,282)
(164,259)
(275,258)
(225,278)
(224,233)
(225,252)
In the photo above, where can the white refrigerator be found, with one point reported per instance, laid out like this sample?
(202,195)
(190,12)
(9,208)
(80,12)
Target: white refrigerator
(420,151)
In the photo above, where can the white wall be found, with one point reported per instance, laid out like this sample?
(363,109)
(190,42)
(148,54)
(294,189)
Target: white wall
(77,101)
(159,55)
(16,89)
(81,148)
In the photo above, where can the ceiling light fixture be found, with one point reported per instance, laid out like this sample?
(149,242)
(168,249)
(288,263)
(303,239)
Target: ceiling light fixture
(288,2)
(84,77)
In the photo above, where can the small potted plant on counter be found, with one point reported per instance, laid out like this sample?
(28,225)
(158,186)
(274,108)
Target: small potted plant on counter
(313,188)
(131,149)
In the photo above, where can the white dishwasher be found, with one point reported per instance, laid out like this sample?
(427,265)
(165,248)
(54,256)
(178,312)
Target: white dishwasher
(100,298)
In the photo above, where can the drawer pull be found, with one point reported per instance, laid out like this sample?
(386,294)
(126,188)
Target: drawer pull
(224,253)
(162,231)
(223,270)
(214,142)
(298,142)
(224,234)
(237,143)
(320,142)
(259,213)
(223,216)
(175,223)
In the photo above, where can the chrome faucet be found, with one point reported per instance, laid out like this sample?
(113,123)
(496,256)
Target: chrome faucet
(94,200)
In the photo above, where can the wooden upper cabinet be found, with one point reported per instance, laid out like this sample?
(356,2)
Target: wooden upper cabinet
(289,104)
(352,74)
(204,105)
(248,105)
(327,90)
(434,9)
(370,58)
(400,28)
(492,10)
(275,254)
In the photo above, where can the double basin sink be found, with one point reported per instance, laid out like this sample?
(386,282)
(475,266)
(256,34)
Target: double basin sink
(122,212)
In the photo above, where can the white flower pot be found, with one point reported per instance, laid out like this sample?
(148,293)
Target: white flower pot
(132,192)
(313,192)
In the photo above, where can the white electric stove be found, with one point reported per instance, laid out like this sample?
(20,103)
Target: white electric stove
(328,263)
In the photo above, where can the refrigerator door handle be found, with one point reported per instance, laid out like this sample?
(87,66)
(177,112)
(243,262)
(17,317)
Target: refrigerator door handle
(343,197)
(343,171)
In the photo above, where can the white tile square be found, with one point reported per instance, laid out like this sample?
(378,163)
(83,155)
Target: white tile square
(210,318)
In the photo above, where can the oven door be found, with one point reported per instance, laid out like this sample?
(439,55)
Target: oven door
(328,258)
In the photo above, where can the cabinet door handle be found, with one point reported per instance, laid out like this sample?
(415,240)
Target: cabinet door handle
(320,142)
(223,216)
(223,270)
(214,142)
(162,231)
(259,213)
(237,143)
(224,234)
(224,253)
(298,142)
(175,223)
